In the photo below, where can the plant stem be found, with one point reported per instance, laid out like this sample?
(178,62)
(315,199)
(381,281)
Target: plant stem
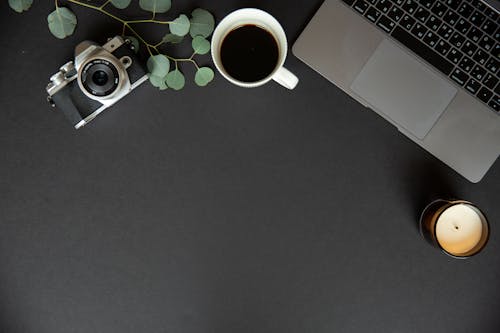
(148,46)
(99,9)
(126,25)
(182,60)
(105,4)
(149,21)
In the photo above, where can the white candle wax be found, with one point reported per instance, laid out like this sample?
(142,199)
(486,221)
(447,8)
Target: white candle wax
(459,229)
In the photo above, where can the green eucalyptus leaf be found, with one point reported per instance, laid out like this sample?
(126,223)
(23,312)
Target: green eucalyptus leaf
(203,76)
(158,81)
(180,26)
(155,6)
(163,85)
(62,22)
(158,65)
(200,45)
(20,5)
(176,80)
(155,80)
(202,23)
(121,4)
(134,41)
(171,38)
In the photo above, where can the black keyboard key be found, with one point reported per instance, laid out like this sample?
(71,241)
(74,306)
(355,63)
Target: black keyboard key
(395,14)
(457,40)
(490,81)
(497,35)
(421,14)
(410,6)
(453,3)
(459,77)
(454,56)
(439,9)
(426,3)
(399,2)
(442,48)
(372,2)
(384,5)
(484,94)
(489,27)
(481,57)
(422,50)
(494,105)
(431,39)
(478,73)
(386,24)
(466,64)
(491,13)
(462,26)
(497,89)
(473,86)
(349,2)
(372,14)
(361,6)
(492,65)
(407,22)
(465,10)
(475,34)
(451,17)
(478,5)
(495,51)
(477,18)
(486,42)
(445,31)
(469,48)
(419,30)
(433,23)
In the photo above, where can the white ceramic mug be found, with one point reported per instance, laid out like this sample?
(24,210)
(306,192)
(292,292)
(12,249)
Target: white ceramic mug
(257,17)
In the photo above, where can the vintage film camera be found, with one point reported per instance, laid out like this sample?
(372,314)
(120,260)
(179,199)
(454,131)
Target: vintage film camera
(98,78)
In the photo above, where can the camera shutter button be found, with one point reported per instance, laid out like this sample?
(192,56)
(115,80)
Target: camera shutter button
(67,67)
(57,78)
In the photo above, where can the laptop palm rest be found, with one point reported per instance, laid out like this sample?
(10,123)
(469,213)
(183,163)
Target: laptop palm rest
(403,89)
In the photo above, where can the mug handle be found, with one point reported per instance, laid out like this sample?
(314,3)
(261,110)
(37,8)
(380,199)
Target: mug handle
(286,78)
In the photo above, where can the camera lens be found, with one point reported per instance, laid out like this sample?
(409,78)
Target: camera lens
(100,77)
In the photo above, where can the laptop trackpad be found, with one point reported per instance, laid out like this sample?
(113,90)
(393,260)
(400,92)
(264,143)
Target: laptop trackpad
(403,89)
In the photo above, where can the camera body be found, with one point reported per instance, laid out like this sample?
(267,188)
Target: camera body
(98,78)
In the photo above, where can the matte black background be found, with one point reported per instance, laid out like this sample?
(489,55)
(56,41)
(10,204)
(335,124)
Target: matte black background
(221,209)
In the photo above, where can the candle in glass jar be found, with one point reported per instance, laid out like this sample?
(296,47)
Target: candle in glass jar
(459,229)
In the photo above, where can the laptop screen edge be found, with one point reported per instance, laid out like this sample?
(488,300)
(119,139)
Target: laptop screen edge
(495,4)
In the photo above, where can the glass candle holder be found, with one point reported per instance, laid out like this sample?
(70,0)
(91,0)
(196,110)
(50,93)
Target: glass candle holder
(457,227)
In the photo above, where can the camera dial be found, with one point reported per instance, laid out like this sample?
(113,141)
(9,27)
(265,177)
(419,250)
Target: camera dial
(100,77)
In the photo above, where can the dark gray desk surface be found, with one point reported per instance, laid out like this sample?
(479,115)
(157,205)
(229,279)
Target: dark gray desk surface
(222,209)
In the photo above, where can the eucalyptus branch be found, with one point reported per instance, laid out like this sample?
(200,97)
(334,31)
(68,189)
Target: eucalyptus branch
(98,8)
(62,22)
(127,23)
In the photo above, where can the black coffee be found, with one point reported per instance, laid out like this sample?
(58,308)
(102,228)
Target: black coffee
(249,53)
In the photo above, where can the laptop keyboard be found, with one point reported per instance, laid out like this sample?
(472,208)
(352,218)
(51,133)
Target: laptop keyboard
(460,38)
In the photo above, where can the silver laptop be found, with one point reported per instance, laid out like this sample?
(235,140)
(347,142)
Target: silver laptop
(429,67)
